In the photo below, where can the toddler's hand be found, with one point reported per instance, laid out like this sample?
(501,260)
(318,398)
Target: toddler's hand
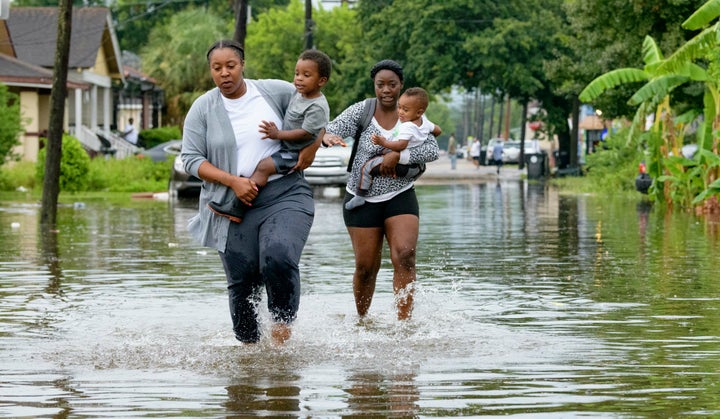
(269,129)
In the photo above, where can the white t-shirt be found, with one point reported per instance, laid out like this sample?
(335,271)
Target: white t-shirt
(245,114)
(131,134)
(413,133)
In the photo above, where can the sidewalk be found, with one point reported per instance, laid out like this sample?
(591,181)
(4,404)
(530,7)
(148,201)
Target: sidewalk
(439,172)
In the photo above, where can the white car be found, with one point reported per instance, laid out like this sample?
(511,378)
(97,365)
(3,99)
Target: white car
(511,150)
(330,165)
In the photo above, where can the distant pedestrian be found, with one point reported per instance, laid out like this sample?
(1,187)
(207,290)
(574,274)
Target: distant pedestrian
(497,153)
(130,134)
(475,152)
(452,151)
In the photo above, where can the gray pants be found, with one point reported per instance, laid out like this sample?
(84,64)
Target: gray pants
(264,251)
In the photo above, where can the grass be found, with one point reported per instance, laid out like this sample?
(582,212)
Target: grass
(126,176)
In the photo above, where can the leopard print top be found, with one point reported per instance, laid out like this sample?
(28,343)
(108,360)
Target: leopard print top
(345,125)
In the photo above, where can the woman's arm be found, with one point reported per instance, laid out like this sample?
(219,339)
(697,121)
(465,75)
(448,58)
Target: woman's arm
(426,152)
(344,125)
(245,189)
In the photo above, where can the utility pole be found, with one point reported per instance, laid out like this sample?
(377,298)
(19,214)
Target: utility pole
(241,17)
(51,180)
(308,25)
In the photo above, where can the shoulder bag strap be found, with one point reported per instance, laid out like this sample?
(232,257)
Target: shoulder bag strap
(368,112)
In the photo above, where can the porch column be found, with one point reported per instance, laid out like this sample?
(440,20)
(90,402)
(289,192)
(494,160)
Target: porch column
(78,110)
(106,109)
(93,107)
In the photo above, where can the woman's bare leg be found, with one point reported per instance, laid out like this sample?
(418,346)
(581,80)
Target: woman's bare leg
(367,245)
(402,237)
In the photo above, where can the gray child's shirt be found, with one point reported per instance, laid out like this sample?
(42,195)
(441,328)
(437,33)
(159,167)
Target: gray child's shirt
(309,114)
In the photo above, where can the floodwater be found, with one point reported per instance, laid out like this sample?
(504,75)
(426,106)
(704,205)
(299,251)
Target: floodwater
(529,304)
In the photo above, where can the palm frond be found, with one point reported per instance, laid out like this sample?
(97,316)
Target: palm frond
(656,89)
(693,49)
(611,79)
(651,52)
(703,16)
(695,72)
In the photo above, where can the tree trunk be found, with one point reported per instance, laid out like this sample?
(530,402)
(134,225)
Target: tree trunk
(481,129)
(506,133)
(492,116)
(523,123)
(51,180)
(575,134)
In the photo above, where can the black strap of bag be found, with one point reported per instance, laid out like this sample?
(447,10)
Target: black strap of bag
(367,116)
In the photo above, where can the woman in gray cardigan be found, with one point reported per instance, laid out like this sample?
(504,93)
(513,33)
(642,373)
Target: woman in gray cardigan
(222,145)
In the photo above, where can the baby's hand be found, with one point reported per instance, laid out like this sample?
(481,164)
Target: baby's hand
(269,129)
(378,139)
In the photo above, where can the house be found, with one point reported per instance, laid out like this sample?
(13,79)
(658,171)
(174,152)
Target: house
(140,98)
(96,77)
(594,128)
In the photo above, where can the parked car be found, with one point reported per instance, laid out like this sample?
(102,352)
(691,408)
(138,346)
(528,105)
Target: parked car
(328,169)
(181,183)
(330,165)
(511,152)
(163,151)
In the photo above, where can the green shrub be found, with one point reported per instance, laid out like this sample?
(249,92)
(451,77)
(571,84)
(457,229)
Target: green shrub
(20,174)
(133,174)
(614,166)
(10,123)
(151,137)
(74,166)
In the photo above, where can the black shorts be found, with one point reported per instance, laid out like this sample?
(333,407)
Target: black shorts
(374,214)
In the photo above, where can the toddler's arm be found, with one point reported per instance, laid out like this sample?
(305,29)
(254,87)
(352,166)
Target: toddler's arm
(270,130)
(398,145)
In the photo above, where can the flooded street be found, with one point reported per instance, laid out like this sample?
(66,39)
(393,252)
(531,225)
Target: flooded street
(529,304)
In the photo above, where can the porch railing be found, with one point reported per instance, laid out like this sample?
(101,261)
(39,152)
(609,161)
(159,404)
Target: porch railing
(106,143)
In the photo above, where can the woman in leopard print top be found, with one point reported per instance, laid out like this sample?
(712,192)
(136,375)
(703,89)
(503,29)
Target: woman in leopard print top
(391,210)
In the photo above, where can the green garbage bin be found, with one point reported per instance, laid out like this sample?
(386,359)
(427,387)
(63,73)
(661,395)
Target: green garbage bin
(535,163)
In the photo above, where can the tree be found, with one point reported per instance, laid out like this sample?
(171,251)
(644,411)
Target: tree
(175,55)
(684,181)
(10,123)
(609,34)
(135,20)
(51,181)
(498,47)
(273,54)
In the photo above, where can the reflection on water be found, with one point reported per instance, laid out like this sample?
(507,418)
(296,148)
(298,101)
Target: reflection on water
(528,303)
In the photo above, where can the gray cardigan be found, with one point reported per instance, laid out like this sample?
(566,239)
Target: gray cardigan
(208,136)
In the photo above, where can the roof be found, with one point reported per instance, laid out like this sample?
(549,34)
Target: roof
(14,72)
(133,73)
(33,31)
